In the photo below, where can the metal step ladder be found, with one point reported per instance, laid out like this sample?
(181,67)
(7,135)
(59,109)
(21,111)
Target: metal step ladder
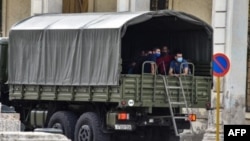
(176,103)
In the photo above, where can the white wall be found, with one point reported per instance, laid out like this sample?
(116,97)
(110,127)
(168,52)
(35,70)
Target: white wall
(133,5)
(46,6)
(236,49)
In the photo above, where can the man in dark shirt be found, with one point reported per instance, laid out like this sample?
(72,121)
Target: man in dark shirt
(164,60)
(150,67)
(138,62)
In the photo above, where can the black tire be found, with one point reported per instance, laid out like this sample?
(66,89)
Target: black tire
(64,120)
(88,128)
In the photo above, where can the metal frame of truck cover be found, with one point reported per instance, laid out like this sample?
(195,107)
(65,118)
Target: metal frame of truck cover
(81,59)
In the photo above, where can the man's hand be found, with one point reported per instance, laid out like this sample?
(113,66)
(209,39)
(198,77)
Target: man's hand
(176,75)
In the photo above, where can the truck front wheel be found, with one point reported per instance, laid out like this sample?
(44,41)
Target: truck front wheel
(65,121)
(88,128)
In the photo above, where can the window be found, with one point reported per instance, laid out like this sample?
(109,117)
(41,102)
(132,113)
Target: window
(158,5)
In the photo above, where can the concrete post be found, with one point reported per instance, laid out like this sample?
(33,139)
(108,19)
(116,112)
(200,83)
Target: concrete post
(229,21)
(9,121)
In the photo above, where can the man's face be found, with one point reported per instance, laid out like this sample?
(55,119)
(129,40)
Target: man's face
(157,51)
(178,55)
(164,49)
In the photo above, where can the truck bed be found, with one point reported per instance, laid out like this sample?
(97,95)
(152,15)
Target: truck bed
(132,87)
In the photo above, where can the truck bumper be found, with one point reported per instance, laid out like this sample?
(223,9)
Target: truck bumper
(132,122)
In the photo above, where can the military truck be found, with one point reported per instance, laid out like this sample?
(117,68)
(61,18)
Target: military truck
(68,72)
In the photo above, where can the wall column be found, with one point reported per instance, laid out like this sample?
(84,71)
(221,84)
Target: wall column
(133,5)
(229,21)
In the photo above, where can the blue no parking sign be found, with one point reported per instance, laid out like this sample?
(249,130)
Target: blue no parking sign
(221,64)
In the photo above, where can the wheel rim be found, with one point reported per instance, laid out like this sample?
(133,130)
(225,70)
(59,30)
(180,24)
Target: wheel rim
(84,133)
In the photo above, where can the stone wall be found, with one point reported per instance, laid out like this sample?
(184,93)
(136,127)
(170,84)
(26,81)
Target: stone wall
(9,122)
(31,136)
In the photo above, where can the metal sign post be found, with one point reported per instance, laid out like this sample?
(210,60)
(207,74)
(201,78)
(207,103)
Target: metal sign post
(218,109)
(221,66)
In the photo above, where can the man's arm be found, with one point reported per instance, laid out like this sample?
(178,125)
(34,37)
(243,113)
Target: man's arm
(185,71)
(153,70)
(170,72)
(171,69)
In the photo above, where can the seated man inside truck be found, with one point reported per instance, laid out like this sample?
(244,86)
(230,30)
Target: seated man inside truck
(178,66)
(151,68)
(164,60)
(138,62)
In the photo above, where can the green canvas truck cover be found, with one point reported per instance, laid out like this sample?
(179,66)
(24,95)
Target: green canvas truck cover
(83,48)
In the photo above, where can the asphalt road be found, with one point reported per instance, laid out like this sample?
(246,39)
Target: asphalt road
(147,134)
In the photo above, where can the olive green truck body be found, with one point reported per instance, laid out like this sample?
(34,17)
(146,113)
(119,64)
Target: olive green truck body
(68,71)
(148,95)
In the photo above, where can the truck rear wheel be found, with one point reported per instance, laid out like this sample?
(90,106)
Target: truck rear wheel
(88,128)
(65,121)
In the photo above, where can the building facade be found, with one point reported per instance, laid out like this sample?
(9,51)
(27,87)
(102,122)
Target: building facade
(13,11)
